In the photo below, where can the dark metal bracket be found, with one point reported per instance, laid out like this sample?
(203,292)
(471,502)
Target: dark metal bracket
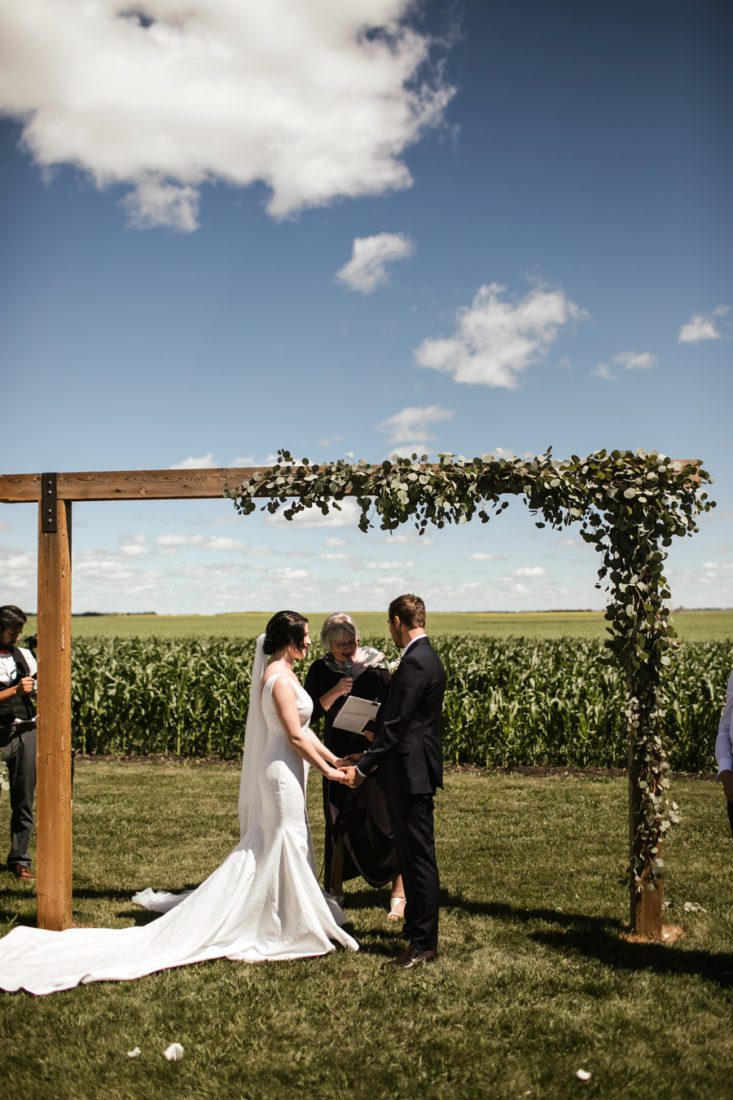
(48,503)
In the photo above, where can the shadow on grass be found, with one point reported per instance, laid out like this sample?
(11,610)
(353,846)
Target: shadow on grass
(601,938)
(611,950)
(597,938)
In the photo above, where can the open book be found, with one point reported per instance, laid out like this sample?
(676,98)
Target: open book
(355,714)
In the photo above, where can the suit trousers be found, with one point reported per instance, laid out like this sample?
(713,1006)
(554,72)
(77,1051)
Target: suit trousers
(414,833)
(20,756)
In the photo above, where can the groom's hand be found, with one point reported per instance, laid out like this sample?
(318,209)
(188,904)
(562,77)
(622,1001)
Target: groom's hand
(352,778)
(352,758)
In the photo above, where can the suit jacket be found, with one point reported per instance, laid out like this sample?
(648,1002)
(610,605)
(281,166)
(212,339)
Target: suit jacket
(406,749)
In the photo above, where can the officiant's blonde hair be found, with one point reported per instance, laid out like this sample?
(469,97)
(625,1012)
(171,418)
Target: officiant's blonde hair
(338,627)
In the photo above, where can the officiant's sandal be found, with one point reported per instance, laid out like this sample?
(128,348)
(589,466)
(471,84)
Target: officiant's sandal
(396,908)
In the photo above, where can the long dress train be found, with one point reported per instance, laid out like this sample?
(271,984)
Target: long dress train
(263,901)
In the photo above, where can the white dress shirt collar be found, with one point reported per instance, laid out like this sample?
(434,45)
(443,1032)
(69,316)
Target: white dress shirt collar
(412,641)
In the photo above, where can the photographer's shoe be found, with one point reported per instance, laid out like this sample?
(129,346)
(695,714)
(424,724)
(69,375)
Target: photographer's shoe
(22,872)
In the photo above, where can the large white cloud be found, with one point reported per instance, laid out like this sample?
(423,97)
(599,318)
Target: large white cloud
(494,341)
(370,258)
(317,100)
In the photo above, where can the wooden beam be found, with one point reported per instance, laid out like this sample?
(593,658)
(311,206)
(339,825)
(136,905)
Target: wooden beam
(130,484)
(143,484)
(53,753)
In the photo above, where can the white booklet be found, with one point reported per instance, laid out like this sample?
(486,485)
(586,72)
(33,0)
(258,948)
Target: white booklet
(355,714)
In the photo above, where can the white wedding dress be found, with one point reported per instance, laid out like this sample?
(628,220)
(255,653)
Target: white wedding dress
(263,902)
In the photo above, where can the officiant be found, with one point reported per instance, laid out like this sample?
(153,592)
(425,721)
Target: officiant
(358,839)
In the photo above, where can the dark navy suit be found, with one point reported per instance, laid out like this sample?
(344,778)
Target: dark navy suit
(407,759)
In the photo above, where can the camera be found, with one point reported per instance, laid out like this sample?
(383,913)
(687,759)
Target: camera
(22,725)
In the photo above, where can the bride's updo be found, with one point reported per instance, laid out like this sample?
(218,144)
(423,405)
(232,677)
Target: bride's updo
(284,628)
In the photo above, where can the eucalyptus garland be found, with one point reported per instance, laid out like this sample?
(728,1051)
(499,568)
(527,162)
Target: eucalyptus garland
(629,505)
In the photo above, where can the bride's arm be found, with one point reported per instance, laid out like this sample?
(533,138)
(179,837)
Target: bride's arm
(321,749)
(304,741)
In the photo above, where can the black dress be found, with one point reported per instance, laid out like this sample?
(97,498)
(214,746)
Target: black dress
(358,816)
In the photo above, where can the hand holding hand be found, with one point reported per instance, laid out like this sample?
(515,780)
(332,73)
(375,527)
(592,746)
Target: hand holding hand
(345,761)
(352,778)
(336,775)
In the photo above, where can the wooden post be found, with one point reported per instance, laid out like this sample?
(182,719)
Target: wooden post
(53,754)
(645,904)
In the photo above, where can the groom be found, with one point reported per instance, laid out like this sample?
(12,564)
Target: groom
(407,756)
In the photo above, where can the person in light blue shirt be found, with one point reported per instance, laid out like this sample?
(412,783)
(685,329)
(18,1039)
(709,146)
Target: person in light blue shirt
(724,749)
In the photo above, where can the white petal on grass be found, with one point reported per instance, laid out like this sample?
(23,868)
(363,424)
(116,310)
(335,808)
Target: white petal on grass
(174,1052)
(583,1074)
(134,1053)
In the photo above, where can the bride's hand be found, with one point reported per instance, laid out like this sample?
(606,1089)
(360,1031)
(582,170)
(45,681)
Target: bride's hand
(335,775)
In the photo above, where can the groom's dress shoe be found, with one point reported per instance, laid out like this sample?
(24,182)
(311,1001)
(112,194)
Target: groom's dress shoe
(413,956)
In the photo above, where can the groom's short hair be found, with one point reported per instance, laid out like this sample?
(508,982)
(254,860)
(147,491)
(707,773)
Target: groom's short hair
(409,609)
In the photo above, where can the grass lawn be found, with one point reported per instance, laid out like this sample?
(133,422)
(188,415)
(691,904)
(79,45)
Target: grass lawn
(534,982)
(694,626)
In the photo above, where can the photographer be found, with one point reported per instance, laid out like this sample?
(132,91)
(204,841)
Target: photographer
(18,735)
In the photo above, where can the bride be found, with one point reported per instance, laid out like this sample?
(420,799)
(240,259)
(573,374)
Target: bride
(263,901)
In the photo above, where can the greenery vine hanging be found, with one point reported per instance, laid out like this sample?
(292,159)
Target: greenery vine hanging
(629,505)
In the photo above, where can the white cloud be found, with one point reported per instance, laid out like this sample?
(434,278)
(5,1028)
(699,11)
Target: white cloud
(407,450)
(133,550)
(409,427)
(288,574)
(702,327)
(166,95)
(204,542)
(387,565)
(200,462)
(529,571)
(602,370)
(635,360)
(334,557)
(478,556)
(348,516)
(334,541)
(243,460)
(494,341)
(367,268)
(155,202)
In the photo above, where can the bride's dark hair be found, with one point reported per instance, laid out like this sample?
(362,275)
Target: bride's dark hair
(284,628)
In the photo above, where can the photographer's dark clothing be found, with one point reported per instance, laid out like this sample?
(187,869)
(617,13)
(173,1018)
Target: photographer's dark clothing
(19,752)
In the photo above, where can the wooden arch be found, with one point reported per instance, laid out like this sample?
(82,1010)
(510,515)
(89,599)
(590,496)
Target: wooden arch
(54,494)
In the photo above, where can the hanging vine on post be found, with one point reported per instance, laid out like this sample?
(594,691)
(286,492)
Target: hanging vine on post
(630,505)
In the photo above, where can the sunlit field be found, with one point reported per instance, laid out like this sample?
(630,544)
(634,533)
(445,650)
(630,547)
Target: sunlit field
(535,979)
(700,626)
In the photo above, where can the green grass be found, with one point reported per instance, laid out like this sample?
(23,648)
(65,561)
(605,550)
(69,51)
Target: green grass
(534,982)
(691,625)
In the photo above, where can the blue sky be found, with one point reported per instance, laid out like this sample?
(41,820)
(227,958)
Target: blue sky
(485,227)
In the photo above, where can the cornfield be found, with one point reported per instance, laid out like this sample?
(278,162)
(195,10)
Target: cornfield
(508,701)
